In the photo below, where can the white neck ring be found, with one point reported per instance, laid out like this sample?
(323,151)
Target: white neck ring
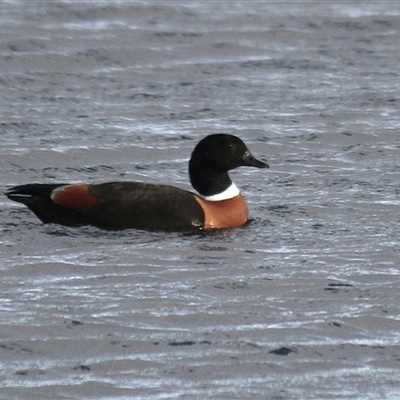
(227,194)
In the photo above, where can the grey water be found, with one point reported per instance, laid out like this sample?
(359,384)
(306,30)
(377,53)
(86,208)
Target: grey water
(304,301)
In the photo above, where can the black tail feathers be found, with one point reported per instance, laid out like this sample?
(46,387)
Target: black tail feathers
(19,193)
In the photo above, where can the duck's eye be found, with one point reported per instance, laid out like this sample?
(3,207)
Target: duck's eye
(230,146)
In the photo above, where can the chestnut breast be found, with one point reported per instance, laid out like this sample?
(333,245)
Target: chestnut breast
(228,213)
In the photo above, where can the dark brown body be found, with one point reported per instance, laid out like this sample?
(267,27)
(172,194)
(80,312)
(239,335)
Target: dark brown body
(113,206)
(124,205)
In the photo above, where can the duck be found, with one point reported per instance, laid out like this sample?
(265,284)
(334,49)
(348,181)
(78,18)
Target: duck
(120,205)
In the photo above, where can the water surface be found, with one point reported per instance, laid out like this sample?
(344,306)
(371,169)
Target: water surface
(301,303)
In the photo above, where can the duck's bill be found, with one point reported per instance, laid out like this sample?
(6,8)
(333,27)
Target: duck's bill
(249,161)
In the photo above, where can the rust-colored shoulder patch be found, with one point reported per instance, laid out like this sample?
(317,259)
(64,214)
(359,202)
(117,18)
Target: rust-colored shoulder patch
(76,197)
(224,214)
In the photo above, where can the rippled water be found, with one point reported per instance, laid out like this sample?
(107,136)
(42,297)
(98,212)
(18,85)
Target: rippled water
(301,303)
